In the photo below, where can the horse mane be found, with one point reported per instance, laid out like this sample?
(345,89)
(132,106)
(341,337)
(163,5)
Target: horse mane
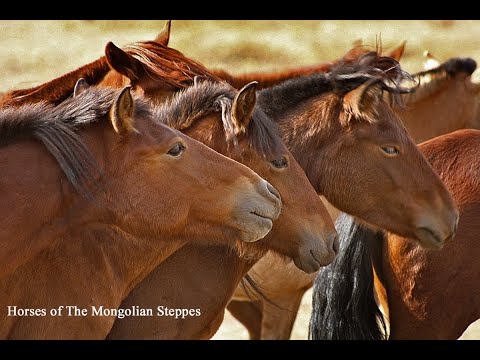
(430,81)
(205,97)
(382,72)
(167,64)
(266,80)
(56,127)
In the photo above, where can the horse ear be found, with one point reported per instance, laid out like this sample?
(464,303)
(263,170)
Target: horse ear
(243,105)
(164,35)
(80,86)
(197,80)
(355,52)
(121,113)
(430,61)
(397,53)
(120,61)
(361,103)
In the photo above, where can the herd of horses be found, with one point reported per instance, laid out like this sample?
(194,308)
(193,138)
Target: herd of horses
(156,181)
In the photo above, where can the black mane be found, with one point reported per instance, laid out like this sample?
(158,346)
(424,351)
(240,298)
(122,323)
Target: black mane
(345,76)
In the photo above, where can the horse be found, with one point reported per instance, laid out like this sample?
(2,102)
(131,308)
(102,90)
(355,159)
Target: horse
(445,100)
(97,170)
(427,294)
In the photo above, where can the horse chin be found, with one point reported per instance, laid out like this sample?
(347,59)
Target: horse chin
(428,239)
(309,262)
(258,228)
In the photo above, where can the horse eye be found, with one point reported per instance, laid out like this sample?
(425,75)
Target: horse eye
(176,150)
(280,163)
(390,150)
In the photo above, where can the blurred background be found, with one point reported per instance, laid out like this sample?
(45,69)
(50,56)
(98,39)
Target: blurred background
(36,51)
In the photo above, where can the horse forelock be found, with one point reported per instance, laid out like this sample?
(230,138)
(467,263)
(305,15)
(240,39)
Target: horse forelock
(383,72)
(347,75)
(205,97)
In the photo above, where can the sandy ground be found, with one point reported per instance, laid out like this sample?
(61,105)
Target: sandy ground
(231,329)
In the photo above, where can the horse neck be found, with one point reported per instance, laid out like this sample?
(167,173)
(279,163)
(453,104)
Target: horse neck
(89,271)
(58,89)
(269,79)
(206,284)
(31,183)
(126,263)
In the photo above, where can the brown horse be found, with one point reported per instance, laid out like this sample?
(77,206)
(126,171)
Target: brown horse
(431,294)
(97,171)
(301,218)
(137,327)
(445,100)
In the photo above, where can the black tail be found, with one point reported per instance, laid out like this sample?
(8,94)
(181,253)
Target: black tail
(343,304)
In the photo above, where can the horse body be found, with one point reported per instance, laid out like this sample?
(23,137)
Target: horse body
(425,289)
(112,220)
(420,289)
(194,289)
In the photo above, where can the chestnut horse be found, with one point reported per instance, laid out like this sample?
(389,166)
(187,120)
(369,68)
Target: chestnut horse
(445,100)
(431,294)
(239,129)
(463,103)
(97,171)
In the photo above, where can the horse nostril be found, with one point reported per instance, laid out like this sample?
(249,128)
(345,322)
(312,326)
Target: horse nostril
(273,191)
